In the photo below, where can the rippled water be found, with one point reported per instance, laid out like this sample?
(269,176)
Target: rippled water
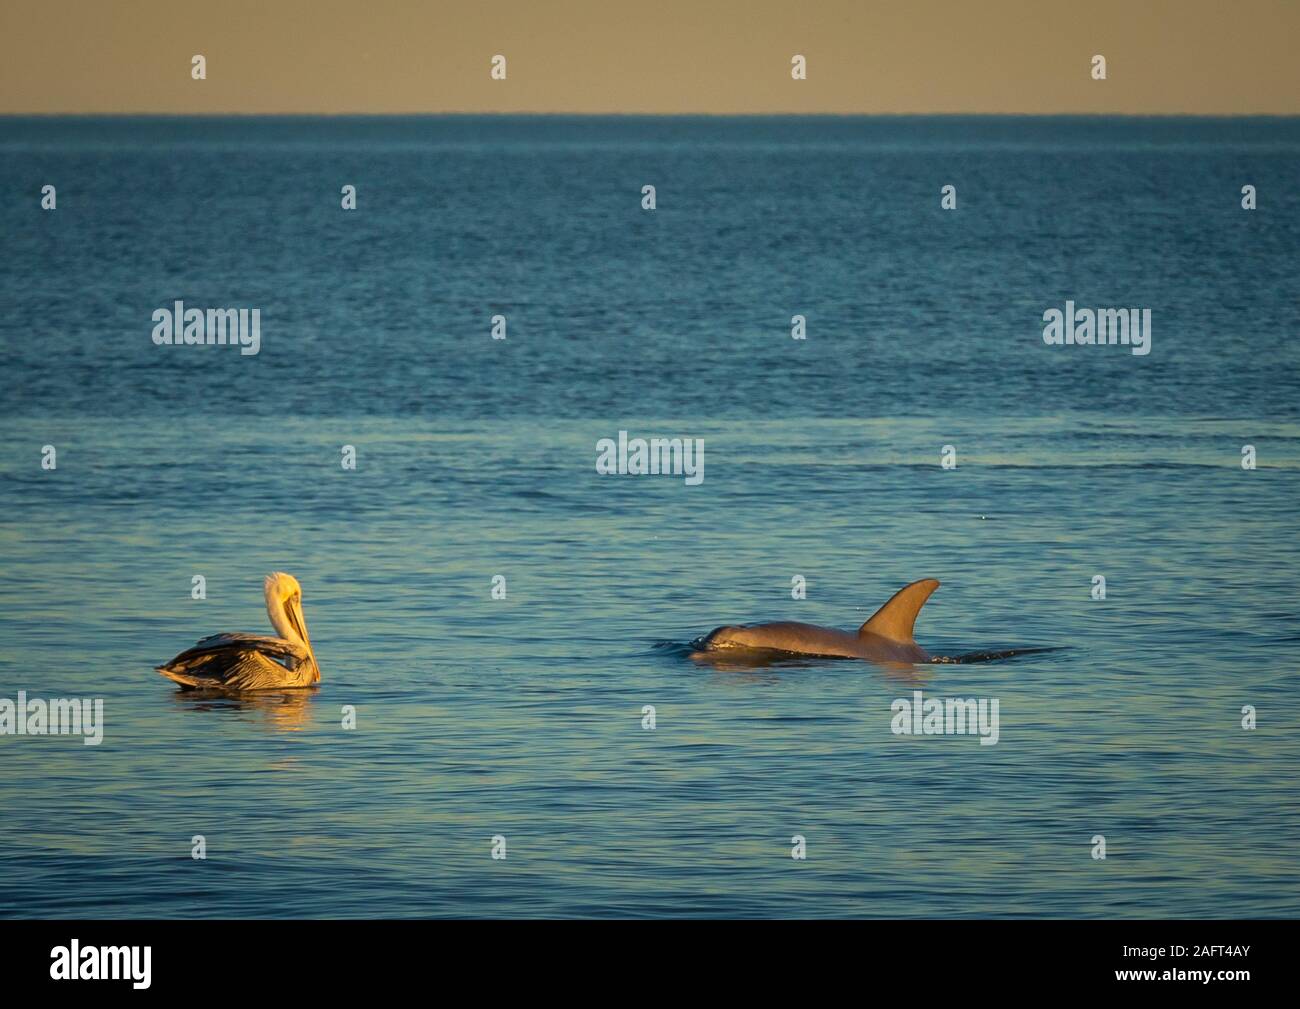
(523,716)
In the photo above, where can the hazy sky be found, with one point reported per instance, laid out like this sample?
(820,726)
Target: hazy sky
(710,56)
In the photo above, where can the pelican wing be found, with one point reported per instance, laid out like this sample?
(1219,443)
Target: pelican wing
(240,661)
(280,648)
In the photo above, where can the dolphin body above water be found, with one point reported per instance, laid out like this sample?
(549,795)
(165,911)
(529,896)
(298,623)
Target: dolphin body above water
(886,637)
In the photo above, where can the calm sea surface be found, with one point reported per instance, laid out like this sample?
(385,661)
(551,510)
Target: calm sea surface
(522,716)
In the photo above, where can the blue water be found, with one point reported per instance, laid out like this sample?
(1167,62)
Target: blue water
(522,716)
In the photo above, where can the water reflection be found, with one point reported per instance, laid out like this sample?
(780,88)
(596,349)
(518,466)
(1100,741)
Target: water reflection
(762,666)
(279,710)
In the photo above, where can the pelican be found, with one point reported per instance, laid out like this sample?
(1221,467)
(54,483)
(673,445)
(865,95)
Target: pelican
(239,661)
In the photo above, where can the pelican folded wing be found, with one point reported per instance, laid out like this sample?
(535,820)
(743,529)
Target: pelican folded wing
(280,648)
(238,661)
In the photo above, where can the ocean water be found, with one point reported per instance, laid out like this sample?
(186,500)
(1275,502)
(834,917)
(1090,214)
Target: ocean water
(522,717)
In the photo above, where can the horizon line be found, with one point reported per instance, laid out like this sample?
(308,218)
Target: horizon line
(140,114)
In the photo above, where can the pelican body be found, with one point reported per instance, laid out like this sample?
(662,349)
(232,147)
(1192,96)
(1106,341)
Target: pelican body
(886,637)
(239,662)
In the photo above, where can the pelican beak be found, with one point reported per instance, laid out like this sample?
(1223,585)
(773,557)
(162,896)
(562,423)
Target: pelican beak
(293,611)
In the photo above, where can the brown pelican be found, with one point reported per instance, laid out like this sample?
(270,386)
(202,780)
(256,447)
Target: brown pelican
(240,661)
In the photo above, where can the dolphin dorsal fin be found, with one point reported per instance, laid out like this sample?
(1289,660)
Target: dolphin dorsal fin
(897,617)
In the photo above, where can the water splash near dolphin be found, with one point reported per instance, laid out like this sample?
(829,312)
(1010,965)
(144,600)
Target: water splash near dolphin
(967,658)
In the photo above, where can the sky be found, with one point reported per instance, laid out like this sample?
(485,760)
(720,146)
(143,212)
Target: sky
(1201,57)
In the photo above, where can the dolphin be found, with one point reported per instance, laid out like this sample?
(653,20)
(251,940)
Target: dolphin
(885,638)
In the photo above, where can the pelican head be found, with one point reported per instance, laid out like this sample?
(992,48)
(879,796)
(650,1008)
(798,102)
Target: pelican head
(284,607)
